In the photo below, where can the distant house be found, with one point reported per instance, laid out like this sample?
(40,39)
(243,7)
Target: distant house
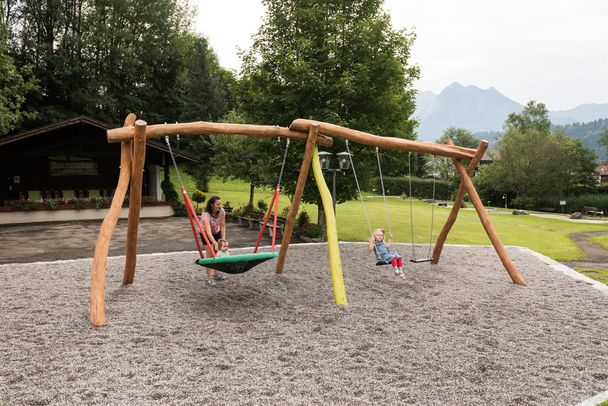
(487,158)
(73,159)
(602,172)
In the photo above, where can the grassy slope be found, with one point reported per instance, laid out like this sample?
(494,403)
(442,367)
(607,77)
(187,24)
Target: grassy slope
(547,236)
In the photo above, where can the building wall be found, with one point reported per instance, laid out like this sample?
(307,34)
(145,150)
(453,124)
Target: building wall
(67,162)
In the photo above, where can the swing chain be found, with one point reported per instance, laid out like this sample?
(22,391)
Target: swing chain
(388,220)
(283,164)
(350,156)
(174,162)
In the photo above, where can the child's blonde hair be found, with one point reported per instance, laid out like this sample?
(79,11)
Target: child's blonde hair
(378,230)
(221,243)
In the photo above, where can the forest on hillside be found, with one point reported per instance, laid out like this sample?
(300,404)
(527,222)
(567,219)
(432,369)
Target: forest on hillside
(588,134)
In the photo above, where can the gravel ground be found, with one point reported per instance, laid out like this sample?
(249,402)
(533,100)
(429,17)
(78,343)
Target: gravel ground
(455,334)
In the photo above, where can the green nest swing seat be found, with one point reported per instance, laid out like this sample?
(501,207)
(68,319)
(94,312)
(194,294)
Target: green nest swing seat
(234,264)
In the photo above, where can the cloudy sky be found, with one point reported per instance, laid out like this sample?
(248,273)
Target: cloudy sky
(551,51)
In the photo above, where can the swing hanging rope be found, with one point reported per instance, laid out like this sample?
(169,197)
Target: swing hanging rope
(350,156)
(274,205)
(379,261)
(388,220)
(232,264)
(428,258)
(192,217)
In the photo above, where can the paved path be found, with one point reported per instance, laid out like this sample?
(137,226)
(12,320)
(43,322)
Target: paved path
(596,255)
(566,217)
(76,239)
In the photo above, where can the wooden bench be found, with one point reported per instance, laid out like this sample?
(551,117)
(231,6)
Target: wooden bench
(248,221)
(269,225)
(592,211)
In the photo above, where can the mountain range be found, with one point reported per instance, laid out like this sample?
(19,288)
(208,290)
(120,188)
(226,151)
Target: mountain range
(484,111)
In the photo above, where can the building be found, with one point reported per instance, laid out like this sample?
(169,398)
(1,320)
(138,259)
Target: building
(72,159)
(602,172)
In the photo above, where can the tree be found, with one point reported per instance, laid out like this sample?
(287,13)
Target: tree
(603,139)
(535,164)
(204,87)
(101,58)
(245,158)
(534,117)
(15,85)
(335,61)
(204,92)
(444,167)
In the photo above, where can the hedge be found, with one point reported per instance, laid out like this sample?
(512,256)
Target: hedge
(421,188)
(573,203)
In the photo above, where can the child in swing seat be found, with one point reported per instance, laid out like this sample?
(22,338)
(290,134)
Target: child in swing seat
(222,248)
(384,253)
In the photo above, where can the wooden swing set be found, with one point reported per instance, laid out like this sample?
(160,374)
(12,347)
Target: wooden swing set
(134,133)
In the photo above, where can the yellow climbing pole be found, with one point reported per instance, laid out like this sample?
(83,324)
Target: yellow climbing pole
(335,262)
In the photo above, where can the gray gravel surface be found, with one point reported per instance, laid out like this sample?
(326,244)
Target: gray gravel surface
(455,334)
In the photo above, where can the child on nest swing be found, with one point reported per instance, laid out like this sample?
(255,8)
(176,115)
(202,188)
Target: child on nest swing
(223,250)
(384,253)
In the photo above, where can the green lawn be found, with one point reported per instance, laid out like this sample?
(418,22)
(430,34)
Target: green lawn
(600,240)
(599,274)
(547,236)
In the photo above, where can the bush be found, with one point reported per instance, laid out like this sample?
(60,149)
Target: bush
(312,231)
(179,210)
(602,189)
(421,188)
(577,203)
(303,219)
(198,197)
(527,203)
(573,203)
(243,211)
(99,202)
(168,190)
(79,204)
(284,212)
(27,206)
(262,205)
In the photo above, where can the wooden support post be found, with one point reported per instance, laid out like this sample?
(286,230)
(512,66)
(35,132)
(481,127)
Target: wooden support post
(137,175)
(313,131)
(97,310)
(487,225)
(443,235)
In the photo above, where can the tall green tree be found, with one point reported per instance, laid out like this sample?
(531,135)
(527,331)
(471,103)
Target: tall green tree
(15,84)
(205,88)
(205,92)
(50,38)
(534,116)
(603,140)
(336,61)
(444,167)
(103,58)
(535,164)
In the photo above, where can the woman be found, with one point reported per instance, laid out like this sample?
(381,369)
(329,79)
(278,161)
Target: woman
(214,225)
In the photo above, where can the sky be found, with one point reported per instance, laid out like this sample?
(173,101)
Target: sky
(550,51)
